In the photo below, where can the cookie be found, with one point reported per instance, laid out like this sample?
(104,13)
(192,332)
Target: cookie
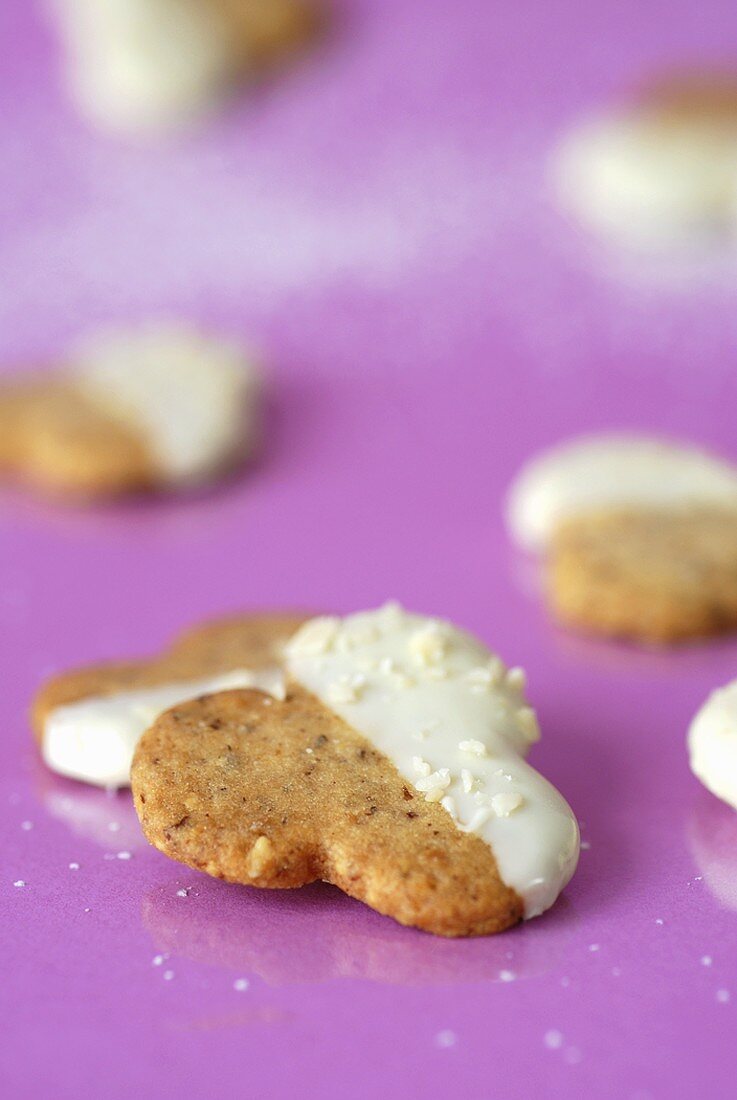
(151,65)
(393,768)
(712,743)
(660,171)
(88,721)
(160,408)
(613,470)
(649,576)
(639,536)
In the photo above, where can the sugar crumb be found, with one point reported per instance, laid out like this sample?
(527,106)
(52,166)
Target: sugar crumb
(445,1039)
(241,984)
(553,1039)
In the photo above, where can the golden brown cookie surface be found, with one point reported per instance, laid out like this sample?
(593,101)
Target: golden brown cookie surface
(280,794)
(59,441)
(247,641)
(266,32)
(649,575)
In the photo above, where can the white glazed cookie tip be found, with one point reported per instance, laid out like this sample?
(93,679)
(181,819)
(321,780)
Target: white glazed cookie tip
(454,723)
(143,65)
(650,182)
(192,399)
(94,739)
(712,743)
(610,471)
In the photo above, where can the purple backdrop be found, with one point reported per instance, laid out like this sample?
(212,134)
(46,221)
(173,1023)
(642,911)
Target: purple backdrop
(379,223)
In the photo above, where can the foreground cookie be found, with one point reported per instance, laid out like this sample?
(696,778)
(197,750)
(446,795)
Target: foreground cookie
(88,721)
(393,768)
(640,536)
(159,408)
(142,65)
(712,743)
(661,171)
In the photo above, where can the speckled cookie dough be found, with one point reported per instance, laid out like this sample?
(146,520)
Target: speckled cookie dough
(88,721)
(153,65)
(158,408)
(639,536)
(658,577)
(394,768)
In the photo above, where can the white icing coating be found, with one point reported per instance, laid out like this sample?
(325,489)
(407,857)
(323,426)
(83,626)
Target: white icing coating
(192,398)
(712,743)
(445,711)
(648,183)
(94,739)
(144,64)
(611,470)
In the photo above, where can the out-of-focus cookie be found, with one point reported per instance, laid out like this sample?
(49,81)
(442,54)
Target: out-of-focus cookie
(661,170)
(652,576)
(639,536)
(712,743)
(87,721)
(612,470)
(158,408)
(147,65)
(393,767)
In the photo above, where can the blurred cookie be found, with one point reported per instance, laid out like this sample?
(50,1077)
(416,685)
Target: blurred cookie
(145,65)
(393,767)
(712,743)
(652,576)
(661,170)
(639,536)
(87,721)
(159,408)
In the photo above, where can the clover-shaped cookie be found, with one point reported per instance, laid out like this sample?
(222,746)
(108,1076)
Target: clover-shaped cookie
(88,721)
(162,407)
(145,65)
(640,536)
(393,767)
(659,171)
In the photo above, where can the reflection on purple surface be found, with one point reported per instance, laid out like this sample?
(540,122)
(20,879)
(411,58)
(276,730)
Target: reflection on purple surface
(712,837)
(316,934)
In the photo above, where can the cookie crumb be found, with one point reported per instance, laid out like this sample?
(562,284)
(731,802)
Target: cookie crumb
(505,804)
(475,748)
(260,856)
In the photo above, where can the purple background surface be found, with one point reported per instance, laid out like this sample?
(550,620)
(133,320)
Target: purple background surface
(379,224)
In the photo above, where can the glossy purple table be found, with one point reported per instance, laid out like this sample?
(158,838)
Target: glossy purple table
(379,223)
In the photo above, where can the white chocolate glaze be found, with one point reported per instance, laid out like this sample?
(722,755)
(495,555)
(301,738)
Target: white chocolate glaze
(194,400)
(612,470)
(712,743)
(455,724)
(94,739)
(144,64)
(649,183)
